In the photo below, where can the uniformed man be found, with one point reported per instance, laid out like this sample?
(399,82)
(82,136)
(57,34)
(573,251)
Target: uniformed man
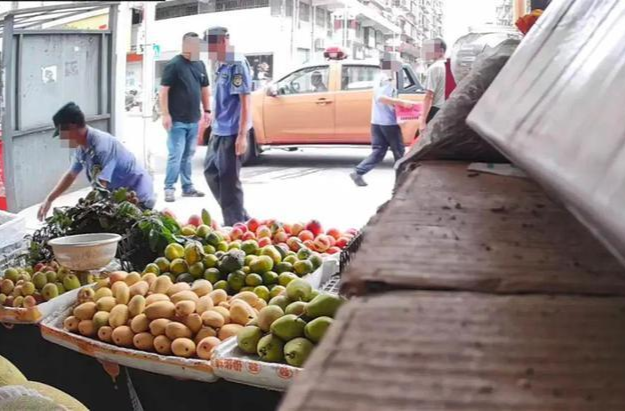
(231,123)
(105,160)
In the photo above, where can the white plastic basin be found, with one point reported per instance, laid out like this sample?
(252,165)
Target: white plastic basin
(85,251)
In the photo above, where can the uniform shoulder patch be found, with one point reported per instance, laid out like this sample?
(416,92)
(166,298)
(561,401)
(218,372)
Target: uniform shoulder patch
(237,80)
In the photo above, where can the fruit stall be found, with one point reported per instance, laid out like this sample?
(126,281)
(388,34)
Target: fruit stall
(146,297)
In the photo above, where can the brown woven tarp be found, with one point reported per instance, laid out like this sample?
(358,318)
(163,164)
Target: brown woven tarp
(450,229)
(468,351)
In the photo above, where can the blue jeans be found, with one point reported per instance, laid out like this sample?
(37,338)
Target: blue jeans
(382,138)
(181,144)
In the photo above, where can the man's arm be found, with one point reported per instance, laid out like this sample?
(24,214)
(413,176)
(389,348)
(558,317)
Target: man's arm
(396,101)
(206,93)
(427,106)
(64,183)
(241,143)
(164,96)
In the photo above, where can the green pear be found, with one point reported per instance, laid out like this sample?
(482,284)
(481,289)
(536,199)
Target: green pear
(296,351)
(296,308)
(267,315)
(11,274)
(298,290)
(316,329)
(49,291)
(248,338)
(51,276)
(323,305)
(71,282)
(288,327)
(40,279)
(60,288)
(270,349)
(281,301)
(312,295)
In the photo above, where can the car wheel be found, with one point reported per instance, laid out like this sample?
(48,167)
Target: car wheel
(253,151)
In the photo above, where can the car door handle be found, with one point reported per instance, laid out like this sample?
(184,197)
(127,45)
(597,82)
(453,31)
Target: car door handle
(323,101)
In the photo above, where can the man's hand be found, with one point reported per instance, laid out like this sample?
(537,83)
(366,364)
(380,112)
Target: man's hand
(408,104)
(43,209)
(422,126)
(241,143)
(206,119)
(167,121)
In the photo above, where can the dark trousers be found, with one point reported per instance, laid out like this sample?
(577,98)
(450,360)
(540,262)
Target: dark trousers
(431,114)
(382,137)
(221,170)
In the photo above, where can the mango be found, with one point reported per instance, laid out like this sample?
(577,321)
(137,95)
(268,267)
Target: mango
(203,333)
(224,313)
(184,308)
(218,296)
(288,327)
(143,341)
(157,327)
(183,347)
(149,278)
(140,324)
(175,330)
(121,292)
(139,288)
(132,278)
(297,351)
(160,309)
(9,374)
(248,338)
(229,330)
(101,319)
(122,336)
(270,349)
(316,329)
(71,323)
(213,319)
(105,334)
(186,295)
(136,305)
(203,304)
(162,345)
(202,287)
(119,316)
(85,311)
(206,346)
(178,287)
(241,313)
(193,321)
(87,328)
(161,285)
(102,292)
(152,298)
(106,303)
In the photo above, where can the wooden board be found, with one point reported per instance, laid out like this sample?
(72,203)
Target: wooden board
(468,352)
(450,229)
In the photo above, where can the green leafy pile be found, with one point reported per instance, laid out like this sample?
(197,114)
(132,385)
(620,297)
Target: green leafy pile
(145,233)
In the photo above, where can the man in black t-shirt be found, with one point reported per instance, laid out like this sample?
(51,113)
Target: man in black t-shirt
(183,85)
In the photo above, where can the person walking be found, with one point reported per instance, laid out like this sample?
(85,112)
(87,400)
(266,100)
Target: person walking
(231,124)
(183,85)
(385,130)
(434,81)
(107,163)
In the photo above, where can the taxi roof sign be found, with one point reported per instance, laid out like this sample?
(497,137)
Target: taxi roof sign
(335,53)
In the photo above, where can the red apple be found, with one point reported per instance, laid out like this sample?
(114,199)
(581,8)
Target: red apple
(280,237)
(252,224)
(287,228)
(332,240)
(167,212)
(263,231)
(195,220)
(297,228)
(306,235)
(264,242)
(333,250)
(294,243)
(39,267)
(333,232)
(241,226)
(248,236)
(310,244)
(314,227)
(236,233)
(322,243)
(342,242)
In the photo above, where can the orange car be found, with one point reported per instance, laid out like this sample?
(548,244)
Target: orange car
(326,103)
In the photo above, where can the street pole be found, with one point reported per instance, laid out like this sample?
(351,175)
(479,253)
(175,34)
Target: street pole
(147,98)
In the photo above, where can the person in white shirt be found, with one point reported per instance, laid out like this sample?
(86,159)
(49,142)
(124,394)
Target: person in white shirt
(434,81)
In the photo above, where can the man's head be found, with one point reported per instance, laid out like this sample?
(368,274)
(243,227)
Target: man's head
(434,49)
(70,125)
(191,46)
(218,42)
(390,63)
(316,78)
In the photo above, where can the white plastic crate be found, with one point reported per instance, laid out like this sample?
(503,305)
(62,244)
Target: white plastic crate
(12,229)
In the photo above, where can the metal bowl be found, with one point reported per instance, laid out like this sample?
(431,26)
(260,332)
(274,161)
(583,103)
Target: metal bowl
(85,251)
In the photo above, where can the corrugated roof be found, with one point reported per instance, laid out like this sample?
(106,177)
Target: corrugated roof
(468,351)
(450,229)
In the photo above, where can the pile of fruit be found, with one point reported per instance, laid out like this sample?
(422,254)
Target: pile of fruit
(236,266)
(27,287)
(289,327)
(153,313)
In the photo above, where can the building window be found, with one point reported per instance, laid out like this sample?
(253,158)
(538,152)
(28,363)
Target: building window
(304,11)
(320,17)
(176,10)
(303,55)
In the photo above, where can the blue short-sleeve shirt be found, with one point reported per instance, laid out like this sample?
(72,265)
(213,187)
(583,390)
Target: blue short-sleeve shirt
(383,114)
(106,159)
(232,80)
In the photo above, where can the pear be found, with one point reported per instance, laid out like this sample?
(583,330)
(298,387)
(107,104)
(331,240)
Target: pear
(288,327)
(281,301)
(71,282)
(296,308)
(323,305)
(296,351)
(270,349)
(298,290)
(268,315)
(49,291)
(316,329)
(248,337)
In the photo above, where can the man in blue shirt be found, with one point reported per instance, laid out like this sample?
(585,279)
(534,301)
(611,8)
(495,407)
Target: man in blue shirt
(231,124)
(385,131)
(105,160)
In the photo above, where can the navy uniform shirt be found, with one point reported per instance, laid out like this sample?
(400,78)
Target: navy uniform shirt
(232,80)
(185,80)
